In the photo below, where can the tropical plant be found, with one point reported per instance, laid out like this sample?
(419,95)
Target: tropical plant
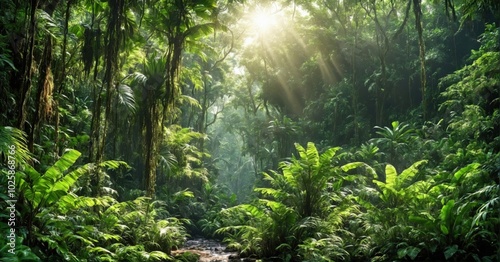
(53,191)
(290,209)
(13,143)
(471,97)
(394,140)
(388,205)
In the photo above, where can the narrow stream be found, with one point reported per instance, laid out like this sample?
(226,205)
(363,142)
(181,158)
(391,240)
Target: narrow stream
(209,251)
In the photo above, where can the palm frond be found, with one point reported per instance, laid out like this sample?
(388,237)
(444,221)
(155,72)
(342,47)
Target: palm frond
(126,97)
(13,143)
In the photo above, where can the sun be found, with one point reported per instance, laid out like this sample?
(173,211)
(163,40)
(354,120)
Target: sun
(263,22)
(264,19)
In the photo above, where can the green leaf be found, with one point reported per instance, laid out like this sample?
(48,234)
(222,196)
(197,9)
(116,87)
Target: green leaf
(446,215)
(288,175)
(444,229)
(274,205)
(352,165)
(267,177)
(312,155)
(86,201)
(301,150)
(446,210)
(125,97)
(390,175)
(200,30)
(425,217)
(385,188)
(395,124)
(190,101)
(268,191)
(184,194)
(114,164)
(364,203)
(5,59)
(253,210)
(327,156)
(464,170)
(13,138)
(159,256)
(413,252)
(64,163)
(450,251)
(409,173)
(100,250)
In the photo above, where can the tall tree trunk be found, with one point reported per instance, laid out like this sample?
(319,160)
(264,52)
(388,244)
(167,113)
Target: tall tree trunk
(354,101)
(417,9)
(27,66)
(45,87)
(154,126)
(60,81)
(100,122)
(155,119)
(202,121)
(44,94)
(154,130)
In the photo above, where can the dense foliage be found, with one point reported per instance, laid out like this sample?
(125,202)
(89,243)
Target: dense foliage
(291,130)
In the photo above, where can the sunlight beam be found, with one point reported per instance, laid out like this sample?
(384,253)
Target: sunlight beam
(263,19)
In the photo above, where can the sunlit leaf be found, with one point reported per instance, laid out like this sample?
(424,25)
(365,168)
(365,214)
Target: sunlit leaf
(390,175)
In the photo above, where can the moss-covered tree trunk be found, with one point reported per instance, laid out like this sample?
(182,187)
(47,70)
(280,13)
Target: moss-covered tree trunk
(417,10)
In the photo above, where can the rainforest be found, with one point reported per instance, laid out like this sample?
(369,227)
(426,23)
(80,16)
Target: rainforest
(250,130)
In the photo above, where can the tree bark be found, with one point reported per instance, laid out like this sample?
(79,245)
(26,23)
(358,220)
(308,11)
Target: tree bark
(44,93)
(417,9)
(27,66)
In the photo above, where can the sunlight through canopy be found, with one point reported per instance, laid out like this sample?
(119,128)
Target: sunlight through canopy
(264,19)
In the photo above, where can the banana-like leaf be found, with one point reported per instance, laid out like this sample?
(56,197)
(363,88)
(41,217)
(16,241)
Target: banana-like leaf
(268,177)
(327,156)
(385,188)
(288,174)
(274,205)
(53,184)
(312,155)
(352,165)
(390,176)
(409,173)
(355,165)
(463,171)
(446,215)
(253,210)
(301,150)
(268,191)
(57,170)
